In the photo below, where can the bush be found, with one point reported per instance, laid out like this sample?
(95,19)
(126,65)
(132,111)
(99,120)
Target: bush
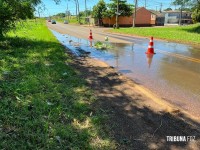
(196,16)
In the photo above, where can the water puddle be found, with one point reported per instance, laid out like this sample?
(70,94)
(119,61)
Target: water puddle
(170,73)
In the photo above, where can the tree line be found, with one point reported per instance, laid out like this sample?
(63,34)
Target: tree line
(12,11)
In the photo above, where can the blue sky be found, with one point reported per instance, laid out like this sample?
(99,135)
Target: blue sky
(52,8)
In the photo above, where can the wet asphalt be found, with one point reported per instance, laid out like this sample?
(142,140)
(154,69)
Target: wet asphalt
(173,73)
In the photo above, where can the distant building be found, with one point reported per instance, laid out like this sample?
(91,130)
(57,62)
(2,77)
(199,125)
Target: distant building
(90,20)
(160,18)
(173,17)
(144,17)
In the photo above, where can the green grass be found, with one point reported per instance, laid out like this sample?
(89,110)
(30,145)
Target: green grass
(44,104)
(184,34)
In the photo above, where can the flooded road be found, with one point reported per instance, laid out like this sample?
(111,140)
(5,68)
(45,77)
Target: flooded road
(173,73)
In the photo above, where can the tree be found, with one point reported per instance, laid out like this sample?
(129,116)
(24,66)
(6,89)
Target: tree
(98,10)
(120,7)
(196,11)
(61,15)
(182,4)
(196,16)
(81,14)
(12,11)
(88,12)
(124,8)
(108,14)
(168,9)
(40,8)
(195,7)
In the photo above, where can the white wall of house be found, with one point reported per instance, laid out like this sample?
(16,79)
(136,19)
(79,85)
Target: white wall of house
(173,17)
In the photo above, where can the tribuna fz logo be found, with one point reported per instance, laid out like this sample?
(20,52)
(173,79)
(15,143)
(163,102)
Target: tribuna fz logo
(180,138)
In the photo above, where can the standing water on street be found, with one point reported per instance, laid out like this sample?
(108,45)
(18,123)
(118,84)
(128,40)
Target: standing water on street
(171,75)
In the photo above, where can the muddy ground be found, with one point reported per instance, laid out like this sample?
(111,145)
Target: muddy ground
(137,119)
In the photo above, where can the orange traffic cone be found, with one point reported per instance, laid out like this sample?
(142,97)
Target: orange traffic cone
(90,36)
(150,47)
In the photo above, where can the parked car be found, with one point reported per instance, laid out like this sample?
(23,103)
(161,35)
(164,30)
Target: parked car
(49,20)
(65,22)
(53,22)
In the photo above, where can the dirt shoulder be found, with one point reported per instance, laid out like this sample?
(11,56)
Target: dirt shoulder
(137,119)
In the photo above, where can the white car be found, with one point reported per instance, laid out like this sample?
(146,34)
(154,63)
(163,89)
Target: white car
(65,22)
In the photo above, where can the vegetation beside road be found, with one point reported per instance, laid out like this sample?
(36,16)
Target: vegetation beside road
(71,20)
(184,34)
(44,103)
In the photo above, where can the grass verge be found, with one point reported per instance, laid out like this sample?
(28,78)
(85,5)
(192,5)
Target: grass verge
(44,104)
(71,20)
(184,34)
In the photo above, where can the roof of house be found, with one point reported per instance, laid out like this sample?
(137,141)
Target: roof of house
(146,9)
(157,13)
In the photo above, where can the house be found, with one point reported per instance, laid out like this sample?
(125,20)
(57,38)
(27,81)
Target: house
(144,17)
(173,17)
(90,20)
(160,18)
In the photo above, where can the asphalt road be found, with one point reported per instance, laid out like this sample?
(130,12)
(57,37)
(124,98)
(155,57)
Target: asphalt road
(173,72)
(83,32)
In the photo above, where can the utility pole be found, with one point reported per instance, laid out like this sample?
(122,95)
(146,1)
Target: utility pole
(117,13)
(78,12)
(134,17)
(160,7)
(85,11)
(180,18)
(76,9)
(67,13)
(145,4)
